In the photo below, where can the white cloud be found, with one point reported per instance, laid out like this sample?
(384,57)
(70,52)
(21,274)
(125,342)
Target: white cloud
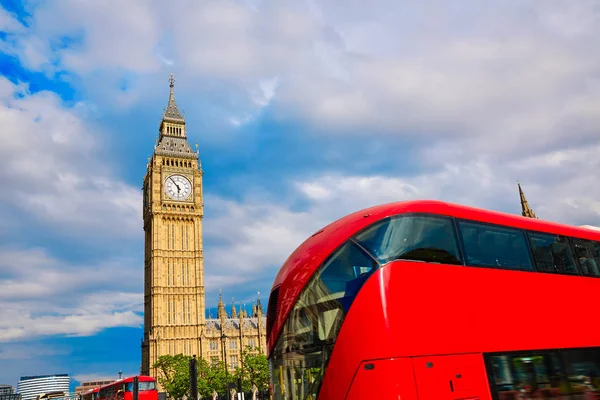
(43,296)
(25,326)
(515,71)
(87,36)
(8,23)
(55,178)
(53,169)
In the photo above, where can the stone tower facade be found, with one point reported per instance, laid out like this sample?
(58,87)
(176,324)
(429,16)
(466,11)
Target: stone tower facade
(173,264)
(175,320)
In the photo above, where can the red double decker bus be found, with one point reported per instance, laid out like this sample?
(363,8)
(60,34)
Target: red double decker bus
(123,389)
(432,301)
(91,394)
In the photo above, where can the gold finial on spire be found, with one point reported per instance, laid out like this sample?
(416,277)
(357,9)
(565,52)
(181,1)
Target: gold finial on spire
(526,211)
(171,81)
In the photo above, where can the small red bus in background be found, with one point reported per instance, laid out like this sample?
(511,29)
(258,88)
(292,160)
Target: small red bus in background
(427,300)
(91,394)
(123,389)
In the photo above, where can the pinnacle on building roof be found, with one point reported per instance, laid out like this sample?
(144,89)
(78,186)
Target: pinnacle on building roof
(233,310)
(172,112)
(221,306)
(526,211)
(259,304)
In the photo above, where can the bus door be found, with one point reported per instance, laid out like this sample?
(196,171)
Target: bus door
(452,377)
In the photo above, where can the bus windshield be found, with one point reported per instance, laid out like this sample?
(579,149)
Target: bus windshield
(308,336)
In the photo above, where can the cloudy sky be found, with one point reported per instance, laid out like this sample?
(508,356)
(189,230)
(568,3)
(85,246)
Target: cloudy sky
(303,111)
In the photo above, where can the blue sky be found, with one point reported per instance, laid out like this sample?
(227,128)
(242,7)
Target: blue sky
(303,111)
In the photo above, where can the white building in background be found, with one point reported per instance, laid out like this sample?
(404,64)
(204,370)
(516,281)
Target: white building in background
(6,390)
(29,387)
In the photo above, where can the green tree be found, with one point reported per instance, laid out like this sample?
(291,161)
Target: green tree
(174,374)
(211,377)
(254,370)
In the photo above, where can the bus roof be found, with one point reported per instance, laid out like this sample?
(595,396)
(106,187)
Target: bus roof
(141,378)
(95,389)
(303,262)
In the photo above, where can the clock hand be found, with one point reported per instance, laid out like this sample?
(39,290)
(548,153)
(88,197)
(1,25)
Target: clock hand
(178,188)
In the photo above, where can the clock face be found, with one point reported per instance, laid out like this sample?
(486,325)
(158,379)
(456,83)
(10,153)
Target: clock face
(178,187)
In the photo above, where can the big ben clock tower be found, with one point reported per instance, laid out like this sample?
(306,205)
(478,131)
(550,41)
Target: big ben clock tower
(173,259)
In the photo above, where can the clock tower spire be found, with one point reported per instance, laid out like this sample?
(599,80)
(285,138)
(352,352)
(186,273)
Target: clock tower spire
(172,139)
(174,311)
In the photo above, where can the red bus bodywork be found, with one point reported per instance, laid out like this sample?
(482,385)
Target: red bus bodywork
(419,330)
(123,389)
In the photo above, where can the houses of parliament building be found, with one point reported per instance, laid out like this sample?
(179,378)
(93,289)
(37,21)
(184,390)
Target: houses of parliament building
(174,305)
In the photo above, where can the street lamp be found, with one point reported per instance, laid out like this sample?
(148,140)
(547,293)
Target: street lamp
(120,373)
(225,361)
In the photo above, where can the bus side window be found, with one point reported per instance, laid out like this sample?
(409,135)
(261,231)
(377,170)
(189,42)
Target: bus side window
(584,253)
(530,375)
(552,253)
(595,250)
(495,247)
(583,366)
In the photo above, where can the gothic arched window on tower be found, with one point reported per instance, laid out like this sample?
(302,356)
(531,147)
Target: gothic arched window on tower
(187,236)
(169,312)
(172,236)
(174,312)
(189,312)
